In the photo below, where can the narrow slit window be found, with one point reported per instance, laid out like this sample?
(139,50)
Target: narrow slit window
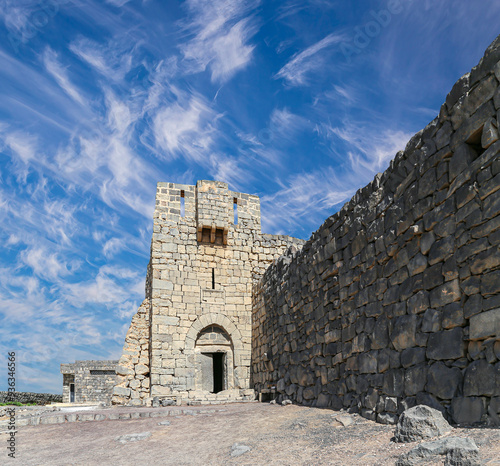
(213,279)
(235,209)
(183,205)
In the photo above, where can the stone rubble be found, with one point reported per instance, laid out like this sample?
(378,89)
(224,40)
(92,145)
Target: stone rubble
(457,452)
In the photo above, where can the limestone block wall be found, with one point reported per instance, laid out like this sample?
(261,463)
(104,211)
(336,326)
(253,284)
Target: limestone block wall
(395,300)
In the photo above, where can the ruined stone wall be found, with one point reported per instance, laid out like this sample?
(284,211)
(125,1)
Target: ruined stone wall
(30,397)
(132,372)
(395,300)
(203,262)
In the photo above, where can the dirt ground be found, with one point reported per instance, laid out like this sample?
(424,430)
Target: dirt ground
(276,435)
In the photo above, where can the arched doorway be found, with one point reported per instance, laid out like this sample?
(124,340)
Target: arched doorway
(214,358)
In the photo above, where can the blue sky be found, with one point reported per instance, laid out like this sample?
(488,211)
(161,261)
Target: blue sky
(300,102)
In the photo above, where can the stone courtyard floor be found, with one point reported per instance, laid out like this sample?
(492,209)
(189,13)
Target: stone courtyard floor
(232,434)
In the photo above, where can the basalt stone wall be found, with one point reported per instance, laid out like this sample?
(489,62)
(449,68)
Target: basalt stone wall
(29,397)
(395,300)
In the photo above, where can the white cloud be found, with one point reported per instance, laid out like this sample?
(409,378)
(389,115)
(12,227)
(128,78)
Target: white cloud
(120,117)
(112,246)
(229,169)
(285,124)
(303,63)
(46,264)
(111,286)
(221,31)
(307,195)
(373,148)
(185,127)
(23,145)
(314,195)
(112,60)
(60,74)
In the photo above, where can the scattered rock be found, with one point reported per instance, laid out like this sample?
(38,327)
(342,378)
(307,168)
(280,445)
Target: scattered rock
(239,449)
(272,402)
(420,422)
(458,451)
(133,437)
(164,423)
(345,420)
(167,402)
(286,402)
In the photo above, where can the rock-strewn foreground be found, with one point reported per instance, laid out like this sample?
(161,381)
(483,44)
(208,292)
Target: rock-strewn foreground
(249,433)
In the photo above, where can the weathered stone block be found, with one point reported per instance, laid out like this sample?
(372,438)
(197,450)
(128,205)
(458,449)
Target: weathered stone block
(403,334)
(485,325)
(467,410)
(448,344)
(121,391)
(367,362)
(441,250)
(431,321)
(445,294)
(415,379)
(479,379)
(419,302)
(490,283)
(394,382)
(412,356)
(380,336)
(461,159)
(490,133)
(453,316)
(443,381)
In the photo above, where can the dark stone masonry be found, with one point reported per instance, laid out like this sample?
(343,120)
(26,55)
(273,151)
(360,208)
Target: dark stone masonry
(395,300)
(29,398)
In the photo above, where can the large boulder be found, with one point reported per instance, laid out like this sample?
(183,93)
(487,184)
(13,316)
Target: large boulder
(458,451)
(420,422)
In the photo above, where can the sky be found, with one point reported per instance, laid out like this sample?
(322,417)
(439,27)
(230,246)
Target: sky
(299,102)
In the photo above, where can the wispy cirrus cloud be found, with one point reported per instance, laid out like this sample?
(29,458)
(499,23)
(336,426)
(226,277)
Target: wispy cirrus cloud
(371,149)
(113,60)
(311,195)
(295,72)
(46,264)
(222,29)
(60,74)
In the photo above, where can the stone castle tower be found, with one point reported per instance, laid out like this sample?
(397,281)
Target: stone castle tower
(191,338)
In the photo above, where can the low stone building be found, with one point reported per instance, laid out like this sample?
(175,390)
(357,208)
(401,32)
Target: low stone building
(88,381)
